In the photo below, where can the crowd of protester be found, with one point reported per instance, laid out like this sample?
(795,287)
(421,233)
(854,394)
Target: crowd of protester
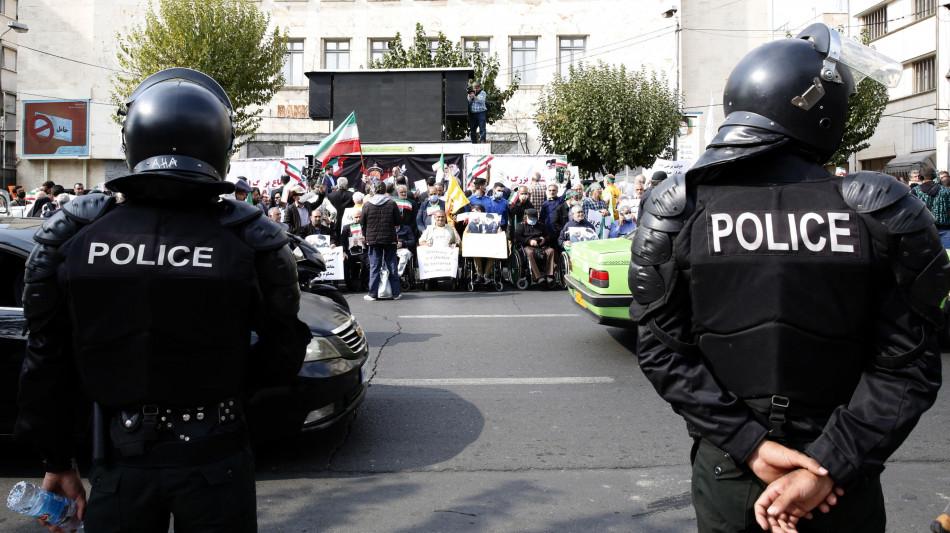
(381,225)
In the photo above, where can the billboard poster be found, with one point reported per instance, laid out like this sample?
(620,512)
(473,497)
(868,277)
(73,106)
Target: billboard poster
(55,128)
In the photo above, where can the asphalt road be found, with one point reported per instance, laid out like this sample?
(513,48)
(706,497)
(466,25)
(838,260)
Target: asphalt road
(511,411)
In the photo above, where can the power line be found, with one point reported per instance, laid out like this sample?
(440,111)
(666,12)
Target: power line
(70,59)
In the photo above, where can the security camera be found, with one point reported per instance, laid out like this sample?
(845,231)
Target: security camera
(670,12)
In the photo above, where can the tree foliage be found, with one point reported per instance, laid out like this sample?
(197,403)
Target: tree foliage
(604,118)
(865,109)
(226,39)
(448,54)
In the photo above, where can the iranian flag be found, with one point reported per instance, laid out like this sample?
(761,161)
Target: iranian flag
(345,139)
(513,199)
(479,168)
(561,161)
(291,171)
(439,168)
(403,204)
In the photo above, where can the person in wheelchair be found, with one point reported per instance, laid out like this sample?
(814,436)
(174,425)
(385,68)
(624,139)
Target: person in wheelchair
(578,229)
(530,235)
(439,234)
(482,224)
(355,260)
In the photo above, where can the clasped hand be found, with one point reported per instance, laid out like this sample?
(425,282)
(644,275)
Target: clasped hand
(797,485)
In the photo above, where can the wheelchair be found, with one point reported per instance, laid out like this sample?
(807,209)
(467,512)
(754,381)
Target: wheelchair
(409,278)
(519,269)
(469,276)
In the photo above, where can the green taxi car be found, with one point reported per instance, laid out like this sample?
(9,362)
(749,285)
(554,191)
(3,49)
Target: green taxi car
(598,279)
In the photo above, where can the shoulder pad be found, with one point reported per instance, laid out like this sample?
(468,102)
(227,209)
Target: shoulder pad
(57,229)
(264,234)
(907,215)
(668,199)
(664,224)
(867,192)
(234,213)
(651,247)
(41,263)
(87,208)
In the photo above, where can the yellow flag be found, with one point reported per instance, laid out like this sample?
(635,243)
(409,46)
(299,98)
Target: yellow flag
(454,199)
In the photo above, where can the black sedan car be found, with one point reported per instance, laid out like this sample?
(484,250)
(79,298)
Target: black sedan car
(330,384)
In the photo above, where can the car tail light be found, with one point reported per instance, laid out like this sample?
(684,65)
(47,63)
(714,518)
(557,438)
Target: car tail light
(599,278)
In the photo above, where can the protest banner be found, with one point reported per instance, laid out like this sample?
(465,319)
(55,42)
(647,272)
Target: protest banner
(437,261)
(333,257)
(265,173)
(493,245)
(515,169)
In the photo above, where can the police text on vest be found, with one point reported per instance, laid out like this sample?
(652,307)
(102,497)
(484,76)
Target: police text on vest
(783,233)
(176,256)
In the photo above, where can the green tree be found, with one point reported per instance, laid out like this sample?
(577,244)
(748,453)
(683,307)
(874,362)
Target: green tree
(865,109)
(226,39)
(604,118)
(448,54)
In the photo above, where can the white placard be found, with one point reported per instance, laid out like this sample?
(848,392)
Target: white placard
(421,186)
(437,261)
(493,245)
(333,257)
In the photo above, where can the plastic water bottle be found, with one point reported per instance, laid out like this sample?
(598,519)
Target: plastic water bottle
(26,498)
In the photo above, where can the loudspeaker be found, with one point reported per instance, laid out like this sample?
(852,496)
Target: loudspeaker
(320,95)
(456,101)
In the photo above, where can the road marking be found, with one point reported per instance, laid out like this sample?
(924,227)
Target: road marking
(491,381)
(490,316)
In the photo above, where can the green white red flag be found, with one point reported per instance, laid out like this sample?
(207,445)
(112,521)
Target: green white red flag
(403,204)
(345,139)
(291,171)
(513,199)
(439,168)
(479,168)
(561,161)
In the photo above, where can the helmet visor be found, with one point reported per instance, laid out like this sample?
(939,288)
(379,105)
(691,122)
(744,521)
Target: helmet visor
(869,63)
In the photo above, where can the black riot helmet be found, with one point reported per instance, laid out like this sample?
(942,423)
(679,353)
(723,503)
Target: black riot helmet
(794,87)
(178,131)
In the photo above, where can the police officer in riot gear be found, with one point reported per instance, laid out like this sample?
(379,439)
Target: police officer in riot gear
(165,352)
(789,316)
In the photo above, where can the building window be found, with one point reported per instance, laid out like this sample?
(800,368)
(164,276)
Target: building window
(336,54)
(3,6)
(876,22)
(524,58)
(433,47)
(378,49)
(571,53)
(8,59)
(9,103)
(925,136)
(483,44)
(10,154)
(293,64)
(924,8)
(925,78)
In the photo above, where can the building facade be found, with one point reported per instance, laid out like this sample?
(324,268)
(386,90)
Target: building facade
(9,52)
(914,125)
(694,43)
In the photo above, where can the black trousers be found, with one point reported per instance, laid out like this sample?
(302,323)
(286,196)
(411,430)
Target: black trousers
(218,496)
(724,494)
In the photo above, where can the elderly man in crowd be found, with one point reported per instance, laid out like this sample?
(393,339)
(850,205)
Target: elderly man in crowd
(432,205)
(317,227)
(625,223)
(578,222)
(340,199)
(439,234)
(530,234)
(595,202)
(537,190)
(517,210)
(297,211)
